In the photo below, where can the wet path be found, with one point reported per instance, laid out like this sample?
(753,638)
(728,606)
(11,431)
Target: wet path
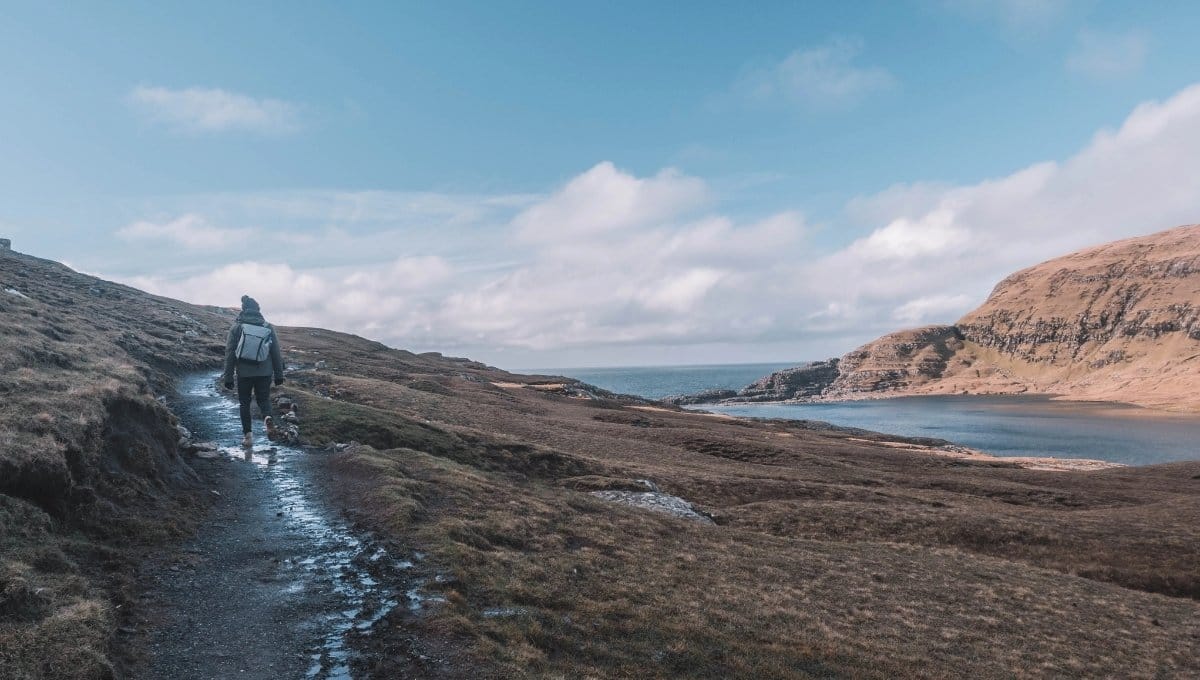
(274,584)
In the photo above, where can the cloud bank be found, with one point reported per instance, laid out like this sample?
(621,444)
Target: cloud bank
(615,260)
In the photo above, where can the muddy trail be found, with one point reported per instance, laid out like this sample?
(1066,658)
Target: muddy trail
(275,584)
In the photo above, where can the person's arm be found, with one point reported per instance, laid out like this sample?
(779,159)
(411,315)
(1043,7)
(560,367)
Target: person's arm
(235,333)
(277,357)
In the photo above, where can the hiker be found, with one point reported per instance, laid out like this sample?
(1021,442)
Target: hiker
(253,350)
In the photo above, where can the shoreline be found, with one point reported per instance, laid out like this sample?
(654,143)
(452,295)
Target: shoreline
(1126,408)
(949,450)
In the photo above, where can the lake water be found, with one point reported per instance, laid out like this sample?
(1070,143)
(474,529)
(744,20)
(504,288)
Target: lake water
(1000,425)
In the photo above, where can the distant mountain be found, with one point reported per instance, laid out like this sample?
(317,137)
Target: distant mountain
(1117,322)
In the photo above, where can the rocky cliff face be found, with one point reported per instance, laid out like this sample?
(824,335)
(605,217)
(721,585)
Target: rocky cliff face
(1118,322)
(897,361)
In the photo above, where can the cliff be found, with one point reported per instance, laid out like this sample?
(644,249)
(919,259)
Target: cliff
(1117,322)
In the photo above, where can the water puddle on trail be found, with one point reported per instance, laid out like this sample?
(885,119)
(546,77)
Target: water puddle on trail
(342,566)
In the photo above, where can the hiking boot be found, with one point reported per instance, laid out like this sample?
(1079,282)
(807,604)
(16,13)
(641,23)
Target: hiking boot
(248,440)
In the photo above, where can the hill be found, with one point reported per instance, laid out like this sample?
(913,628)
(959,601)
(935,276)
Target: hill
(573,532)
(1117,322)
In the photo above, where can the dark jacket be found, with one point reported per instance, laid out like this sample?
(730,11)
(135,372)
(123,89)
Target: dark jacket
(251,369)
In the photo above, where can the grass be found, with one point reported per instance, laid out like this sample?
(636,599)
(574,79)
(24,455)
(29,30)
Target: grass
(90,477)
(835,554)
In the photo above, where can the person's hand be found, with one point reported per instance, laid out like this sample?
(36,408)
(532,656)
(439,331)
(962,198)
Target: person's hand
(229,384)
(278,382)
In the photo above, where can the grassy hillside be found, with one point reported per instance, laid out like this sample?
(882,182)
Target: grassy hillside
(89,471)
(830,552)
(833,553)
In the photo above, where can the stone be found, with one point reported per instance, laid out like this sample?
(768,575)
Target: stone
(655,501)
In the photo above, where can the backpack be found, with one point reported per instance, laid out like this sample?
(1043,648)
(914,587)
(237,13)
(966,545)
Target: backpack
(255,343)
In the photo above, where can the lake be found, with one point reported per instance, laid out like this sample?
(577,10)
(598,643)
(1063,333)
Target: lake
(1000,425)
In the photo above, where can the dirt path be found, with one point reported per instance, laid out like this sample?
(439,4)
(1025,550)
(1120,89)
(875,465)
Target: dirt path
(274,584)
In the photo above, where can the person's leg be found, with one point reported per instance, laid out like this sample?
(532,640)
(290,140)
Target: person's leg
(262,394)
(244,386)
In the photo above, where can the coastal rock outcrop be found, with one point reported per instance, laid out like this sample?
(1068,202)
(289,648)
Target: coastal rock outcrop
(1116,322)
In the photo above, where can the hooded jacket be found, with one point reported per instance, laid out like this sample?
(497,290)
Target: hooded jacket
(251,369)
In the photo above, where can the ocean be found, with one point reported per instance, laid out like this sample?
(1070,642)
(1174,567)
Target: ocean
(656,382)
(1000,425)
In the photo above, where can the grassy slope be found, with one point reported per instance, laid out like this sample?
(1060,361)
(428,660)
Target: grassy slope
(89,472)
(832,556)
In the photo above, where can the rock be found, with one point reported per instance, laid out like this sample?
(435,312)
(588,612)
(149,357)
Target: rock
(655,501)
(704,397)
(5,245)
(206,450)
(808,380)
(285,432)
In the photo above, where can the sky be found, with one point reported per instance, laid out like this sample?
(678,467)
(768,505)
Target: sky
(541,185)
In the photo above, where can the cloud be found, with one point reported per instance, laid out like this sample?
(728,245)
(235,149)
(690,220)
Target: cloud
(938,307)
(1015,15)
(620,265)
(1102,55)
(605,199)
(191,231)
(941,245)
(202,110)
(385,301)
(821,78)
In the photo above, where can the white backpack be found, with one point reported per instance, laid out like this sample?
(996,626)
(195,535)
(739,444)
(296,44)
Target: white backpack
(255,344)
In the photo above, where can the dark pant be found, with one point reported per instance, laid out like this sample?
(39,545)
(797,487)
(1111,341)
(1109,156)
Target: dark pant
(261,386)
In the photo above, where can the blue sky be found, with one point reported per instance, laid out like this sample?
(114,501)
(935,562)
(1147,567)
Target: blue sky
(541,184)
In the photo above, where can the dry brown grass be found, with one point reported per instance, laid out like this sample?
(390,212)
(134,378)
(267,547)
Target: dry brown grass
(835,554)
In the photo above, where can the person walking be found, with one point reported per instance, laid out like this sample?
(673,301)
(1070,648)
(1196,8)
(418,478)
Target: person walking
(253,351)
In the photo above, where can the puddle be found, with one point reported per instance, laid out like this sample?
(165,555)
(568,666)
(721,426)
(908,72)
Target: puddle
(332,559)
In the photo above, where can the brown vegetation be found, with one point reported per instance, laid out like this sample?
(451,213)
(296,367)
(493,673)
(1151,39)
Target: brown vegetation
(836,552)
(89,471)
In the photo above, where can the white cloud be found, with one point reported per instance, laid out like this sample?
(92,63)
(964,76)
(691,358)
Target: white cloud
(1015,15)
(1103,55)
(906,239)
(191,231)
(197,109)
(605,199)
(568,275)
(933,308)
(961,241)
(821,77)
